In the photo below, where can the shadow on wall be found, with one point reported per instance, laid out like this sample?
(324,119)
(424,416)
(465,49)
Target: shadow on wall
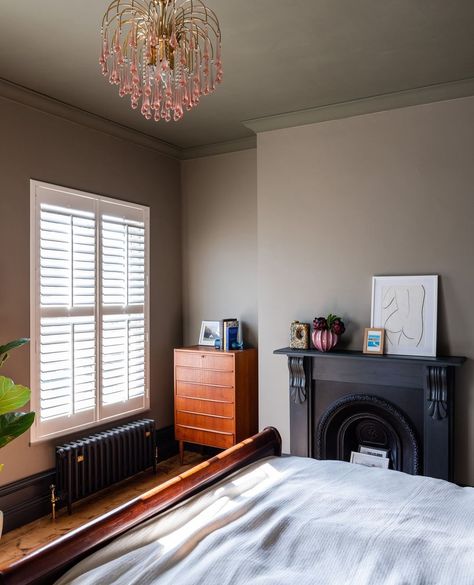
(464,415)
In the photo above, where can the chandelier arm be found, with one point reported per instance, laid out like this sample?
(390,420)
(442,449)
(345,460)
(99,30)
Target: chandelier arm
(207,16)
(217,32)
(107,22)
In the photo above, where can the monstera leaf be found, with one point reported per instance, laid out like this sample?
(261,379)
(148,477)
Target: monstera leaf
(4,349)
(14,424)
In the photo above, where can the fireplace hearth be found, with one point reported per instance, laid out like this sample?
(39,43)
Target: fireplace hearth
(342,400)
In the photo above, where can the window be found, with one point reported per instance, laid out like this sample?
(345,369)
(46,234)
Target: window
(89,309)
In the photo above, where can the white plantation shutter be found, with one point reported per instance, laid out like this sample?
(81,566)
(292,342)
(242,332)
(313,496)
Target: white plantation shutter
(89,317)
(123,307)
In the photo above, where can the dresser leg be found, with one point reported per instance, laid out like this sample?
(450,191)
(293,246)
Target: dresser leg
(181,452)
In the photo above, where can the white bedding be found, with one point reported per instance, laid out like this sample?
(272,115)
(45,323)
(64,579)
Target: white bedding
(295,521)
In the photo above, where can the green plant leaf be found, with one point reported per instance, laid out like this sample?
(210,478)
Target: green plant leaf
(12,396)
(4,349)
(14,424)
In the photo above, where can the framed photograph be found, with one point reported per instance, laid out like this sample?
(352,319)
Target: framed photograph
(369,460)
(407,308)
(210,331)
(373,340)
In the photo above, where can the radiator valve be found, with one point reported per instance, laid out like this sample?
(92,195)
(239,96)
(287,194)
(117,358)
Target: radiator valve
(54,499)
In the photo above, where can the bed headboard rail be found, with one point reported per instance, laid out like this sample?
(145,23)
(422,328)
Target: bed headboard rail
(51,561)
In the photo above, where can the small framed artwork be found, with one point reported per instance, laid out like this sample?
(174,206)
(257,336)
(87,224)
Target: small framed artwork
(406,307)
(374,340)
(210,331)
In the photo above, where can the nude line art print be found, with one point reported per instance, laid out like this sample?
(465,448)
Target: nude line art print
(403,314)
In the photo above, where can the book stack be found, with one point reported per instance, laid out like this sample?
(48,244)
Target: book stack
(371,457)
(230,334)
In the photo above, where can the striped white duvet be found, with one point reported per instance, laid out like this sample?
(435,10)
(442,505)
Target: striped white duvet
(295,521)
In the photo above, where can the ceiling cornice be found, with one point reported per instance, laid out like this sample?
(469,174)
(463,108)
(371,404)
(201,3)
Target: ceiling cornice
(219,147)
(46,104)
(49,105)
(369,105)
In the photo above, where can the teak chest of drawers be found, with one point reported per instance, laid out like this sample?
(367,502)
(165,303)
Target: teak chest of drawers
(215,396)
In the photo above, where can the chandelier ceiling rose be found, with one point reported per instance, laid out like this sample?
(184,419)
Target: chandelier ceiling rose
(166,53)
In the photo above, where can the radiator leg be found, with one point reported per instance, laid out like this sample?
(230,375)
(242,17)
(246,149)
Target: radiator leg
(181,452)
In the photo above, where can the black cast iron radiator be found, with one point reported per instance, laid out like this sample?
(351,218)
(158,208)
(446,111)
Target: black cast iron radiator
(88,465)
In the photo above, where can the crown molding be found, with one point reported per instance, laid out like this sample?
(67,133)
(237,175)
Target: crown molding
(369,105)
(43,103)
(219,148)
(422,95)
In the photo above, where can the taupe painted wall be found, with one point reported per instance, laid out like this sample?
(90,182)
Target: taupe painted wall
(40,146)
(333,209)
(340,201)
(220,241)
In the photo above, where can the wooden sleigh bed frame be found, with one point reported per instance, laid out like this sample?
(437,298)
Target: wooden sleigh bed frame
(48,563)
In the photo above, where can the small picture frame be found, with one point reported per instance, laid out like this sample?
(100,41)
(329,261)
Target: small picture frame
(210,331)
(374,340)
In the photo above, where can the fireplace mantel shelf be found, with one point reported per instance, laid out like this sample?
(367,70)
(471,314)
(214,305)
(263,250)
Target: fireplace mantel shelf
(358,355)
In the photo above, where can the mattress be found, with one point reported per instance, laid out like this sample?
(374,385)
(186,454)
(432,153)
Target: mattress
(291,520)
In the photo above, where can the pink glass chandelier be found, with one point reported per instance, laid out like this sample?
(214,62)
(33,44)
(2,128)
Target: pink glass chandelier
(164,53)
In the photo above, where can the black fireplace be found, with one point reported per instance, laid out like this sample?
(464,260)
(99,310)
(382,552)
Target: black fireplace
(342,400)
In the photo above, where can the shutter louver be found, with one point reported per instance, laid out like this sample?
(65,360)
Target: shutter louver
(136,356)
(136,265)
(89,313)
(114,267)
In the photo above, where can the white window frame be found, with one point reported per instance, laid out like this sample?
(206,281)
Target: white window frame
(115,411)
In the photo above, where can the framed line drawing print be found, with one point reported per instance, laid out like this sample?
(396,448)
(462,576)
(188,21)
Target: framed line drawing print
(406,307)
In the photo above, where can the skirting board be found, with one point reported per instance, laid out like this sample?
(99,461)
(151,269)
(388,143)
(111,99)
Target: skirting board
(28,499)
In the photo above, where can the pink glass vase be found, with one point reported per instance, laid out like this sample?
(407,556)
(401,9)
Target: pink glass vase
(324,340)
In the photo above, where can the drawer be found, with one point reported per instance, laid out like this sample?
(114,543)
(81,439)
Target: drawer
(212,361)
(187,390)
(201,376)
(204,407)
(219,440)
(205,422)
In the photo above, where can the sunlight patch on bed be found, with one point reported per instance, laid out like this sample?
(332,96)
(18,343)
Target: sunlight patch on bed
(257,481)
(227,504)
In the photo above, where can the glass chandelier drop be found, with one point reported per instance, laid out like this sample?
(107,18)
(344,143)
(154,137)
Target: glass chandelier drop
(166,53)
